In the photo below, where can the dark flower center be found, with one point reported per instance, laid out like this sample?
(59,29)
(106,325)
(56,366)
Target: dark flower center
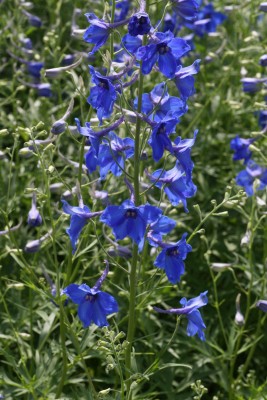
(162,129)
(103,83)
(131,213)
(90,298)
(173,251)
(142,20)
(163,48)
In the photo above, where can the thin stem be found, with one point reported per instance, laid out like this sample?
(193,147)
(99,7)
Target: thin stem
(131,321)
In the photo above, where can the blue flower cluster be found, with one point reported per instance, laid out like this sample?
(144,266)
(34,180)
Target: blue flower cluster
(143,50)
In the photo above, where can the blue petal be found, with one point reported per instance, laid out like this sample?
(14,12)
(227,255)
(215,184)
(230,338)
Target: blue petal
(99,315)
(107,302)
(74,231)
(167,64)
(74,293)
(85,313)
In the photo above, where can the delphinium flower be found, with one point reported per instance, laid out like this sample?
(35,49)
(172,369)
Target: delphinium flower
(190,310)
(34,217)
(129,220)
(175,185)
(187,9)
(172,257)
(247,177)
(93,304)
(122,8)
(113,153)
(163,49)
(241,150)
(184,80)
(102,96)
(139,24)
(158,228)
(182,151)
(97,33)
(251,85)
(79,217)
(162,104)
(159,139)
(207,20)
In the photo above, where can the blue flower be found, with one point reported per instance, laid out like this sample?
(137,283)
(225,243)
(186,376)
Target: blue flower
(124,7)
(113,153)
(175,185)
(79,218)
(163,104)
(185,81)
(33,19)
(182,151)
(34,68)
(129,220)
(158,228)
(102,96)
(94,305)
(247,177)
(190,310)
(241,148)
(97,33)
(159,139)
(251,85)
(187,9)
(207,20)
(171,259)
(165,49)
(139,24)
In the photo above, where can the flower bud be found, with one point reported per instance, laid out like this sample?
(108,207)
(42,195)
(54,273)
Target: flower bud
(34,217)
(220,267)
(32,246)
(262,305)
(263,7)
(58,127)
(239,317)
(26,152)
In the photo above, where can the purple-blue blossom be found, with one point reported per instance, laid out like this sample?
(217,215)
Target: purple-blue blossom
(79,218)
(139,24)
(163,49)
(93,304)
(129,220)
(190,310)
(172,257)
(240,147)
(175,184)
(97,33)
(102,96)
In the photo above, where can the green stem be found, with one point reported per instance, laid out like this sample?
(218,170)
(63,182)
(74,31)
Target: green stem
(131,321)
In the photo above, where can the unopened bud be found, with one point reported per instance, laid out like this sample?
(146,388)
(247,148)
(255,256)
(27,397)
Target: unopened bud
(58,127)
(220,267)
(26,152)
(33,246)
(239,317)
(4,132)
